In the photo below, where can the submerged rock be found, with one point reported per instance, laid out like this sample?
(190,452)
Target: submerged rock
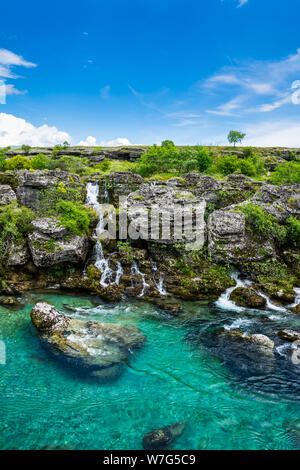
(170,306)
(10,302)
(162,438)
(296,309)
(98,349)
(289,335)
(247,297)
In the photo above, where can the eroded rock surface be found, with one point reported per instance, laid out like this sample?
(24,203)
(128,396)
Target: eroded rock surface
(163,437)
(98,349)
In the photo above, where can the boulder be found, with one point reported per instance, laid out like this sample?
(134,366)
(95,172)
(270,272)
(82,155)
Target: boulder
(7,195)
(289,335)
(228,239)
(161,202)
(97,349)
(163,437)
(50,226)
(31,183)
(46,251)
(247,297)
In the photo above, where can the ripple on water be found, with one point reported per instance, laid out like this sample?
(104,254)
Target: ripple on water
(180,374)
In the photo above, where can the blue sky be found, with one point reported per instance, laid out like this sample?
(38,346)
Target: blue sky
(146,70)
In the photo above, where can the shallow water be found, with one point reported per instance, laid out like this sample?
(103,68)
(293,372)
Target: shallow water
(180,374)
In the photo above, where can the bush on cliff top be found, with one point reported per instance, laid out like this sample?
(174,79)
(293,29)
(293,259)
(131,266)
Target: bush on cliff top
(169,159)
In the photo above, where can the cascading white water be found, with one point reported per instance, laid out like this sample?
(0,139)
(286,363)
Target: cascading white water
(135,270)
(102,263)
(160,284)
(270,305)
(297,298)
(119,272)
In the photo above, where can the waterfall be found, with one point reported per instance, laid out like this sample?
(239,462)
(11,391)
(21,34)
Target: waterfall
(297,298)
(135,270)
(160,284)
(102,263)
(224,301)
(119,272)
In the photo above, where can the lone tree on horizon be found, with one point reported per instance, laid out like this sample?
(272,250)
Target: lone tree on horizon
(234,137)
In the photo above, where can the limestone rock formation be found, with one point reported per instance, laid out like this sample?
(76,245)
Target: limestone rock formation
(98,349)
(46,251)
(7,195)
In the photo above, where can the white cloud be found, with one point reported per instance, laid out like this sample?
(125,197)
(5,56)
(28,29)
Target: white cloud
(242,2)
(11,90)
(17,131)
(227,109)
(104,92)
(119,141)
(8,60)
(273,134)
(257,79)
(88,142)
(92,142)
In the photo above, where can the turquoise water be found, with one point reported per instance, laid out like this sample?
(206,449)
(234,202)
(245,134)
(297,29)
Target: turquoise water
(180,374)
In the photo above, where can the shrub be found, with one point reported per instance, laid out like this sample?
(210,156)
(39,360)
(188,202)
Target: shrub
(204,159)
(15,224)
(17,163)
(293,229)
(76,217)
(40,162)
(286,173)
(73,164)
(190,165)
(167,143)
(262,223)
(52,195)
(26,149)
(105,165)
(228,164)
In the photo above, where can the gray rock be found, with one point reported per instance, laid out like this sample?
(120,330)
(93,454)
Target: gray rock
(7,195)
(289,335)
(50,226)
(229,241)
(99,349)
(46,251)
(32,183)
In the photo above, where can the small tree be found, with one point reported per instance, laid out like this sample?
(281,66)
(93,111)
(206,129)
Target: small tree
(234,137)
(26,149)
(66,144)
(167,143)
